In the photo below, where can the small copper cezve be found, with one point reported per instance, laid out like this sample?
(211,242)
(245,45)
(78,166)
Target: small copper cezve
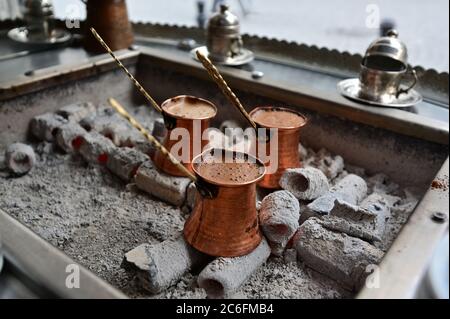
(225,225)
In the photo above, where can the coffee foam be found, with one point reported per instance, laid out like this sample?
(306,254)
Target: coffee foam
(277,118)
(189,108)
(235,171)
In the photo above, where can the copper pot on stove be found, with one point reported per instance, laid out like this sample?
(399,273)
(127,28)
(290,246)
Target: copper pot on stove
(185,117)
(288,136)
(226,223)
(194,123)
(110,19)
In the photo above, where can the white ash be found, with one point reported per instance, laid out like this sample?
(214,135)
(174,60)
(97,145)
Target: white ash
(258,205)
(43,149)
(290,256)
(347,227)
(19,158)
(113,126)
(89,214)
(379,207)
(401,201)
(117,132)
(351,189)
(391,200)
(191,195)
(159,129)
(94,146)
(101,120)
(146,115)
(139,142)
(124,162)
(278,280)
(186,288)
(161,266)
(330,165)
(170,189)
(400,213)
(279,215)
(305,183)
(133,138)
(336,255)
(366,221)
(303,151)
(352,169)
(224,276)
(44,126)
(380,183)
(88,122)
(67,134)
(76,112)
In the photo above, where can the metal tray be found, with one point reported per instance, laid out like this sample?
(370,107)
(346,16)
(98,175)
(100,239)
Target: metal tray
(409,148)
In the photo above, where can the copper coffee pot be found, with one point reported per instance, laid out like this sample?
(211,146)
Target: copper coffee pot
(288,137)
(225,225)
(287,152)
(224,221)
(171,121)
(110,18)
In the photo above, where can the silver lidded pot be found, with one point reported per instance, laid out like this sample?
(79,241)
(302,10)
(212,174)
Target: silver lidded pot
(387,52)
(39,17)
(385,70)
(224,40)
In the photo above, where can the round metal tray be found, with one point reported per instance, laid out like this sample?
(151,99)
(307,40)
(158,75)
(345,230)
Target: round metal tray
(21,35)
(247,56)
(351,89)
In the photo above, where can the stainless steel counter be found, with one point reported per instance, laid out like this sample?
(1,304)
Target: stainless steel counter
(19,62)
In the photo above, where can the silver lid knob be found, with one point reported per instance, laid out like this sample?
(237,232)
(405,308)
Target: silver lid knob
(392,33)
(224,19)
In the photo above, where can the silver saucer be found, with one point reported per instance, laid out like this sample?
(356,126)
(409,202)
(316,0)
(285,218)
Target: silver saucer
(247,56)
(22,35)
(351,89)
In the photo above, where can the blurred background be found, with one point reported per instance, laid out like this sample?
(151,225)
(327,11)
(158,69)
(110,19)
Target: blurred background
(345,25)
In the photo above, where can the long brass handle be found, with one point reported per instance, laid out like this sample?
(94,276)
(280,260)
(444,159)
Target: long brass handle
(132,78)
(220,81)
(121,110)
